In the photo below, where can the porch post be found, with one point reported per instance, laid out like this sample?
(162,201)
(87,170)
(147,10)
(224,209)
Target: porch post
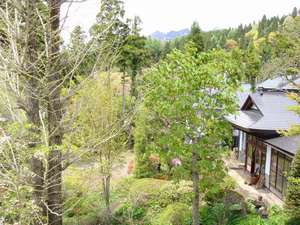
(268,166)
(241,135)
(246,151)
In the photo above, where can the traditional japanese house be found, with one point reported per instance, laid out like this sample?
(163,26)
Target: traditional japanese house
(266,155)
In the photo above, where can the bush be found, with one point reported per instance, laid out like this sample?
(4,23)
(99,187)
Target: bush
(174,214)
(249,220)
(277,216)
(81,205)
(176,192)
(293,221)
(129,214)
(292,200)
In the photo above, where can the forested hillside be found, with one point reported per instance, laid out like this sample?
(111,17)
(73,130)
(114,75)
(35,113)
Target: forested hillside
(121,129)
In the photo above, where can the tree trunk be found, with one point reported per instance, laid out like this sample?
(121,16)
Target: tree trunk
(123,93)
(54,173)
(133,90)
(32,103)
(196,200)
(106,196)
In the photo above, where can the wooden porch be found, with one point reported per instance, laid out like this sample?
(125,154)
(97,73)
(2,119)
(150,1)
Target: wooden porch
(237,171)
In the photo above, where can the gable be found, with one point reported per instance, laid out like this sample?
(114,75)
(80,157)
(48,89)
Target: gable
(250,104)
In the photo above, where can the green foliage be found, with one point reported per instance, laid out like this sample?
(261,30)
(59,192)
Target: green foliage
(109,32)
(184,79)
(176,192)
(292,199)
(16,205)
(129,214)
(196,37)
(154,48)
(188,95)
(82,197)
(277,216)
(132,58)
(142,202)
(223,208)
(145,186)
(79,58)
(174,214)
(143,133)
(295,12)
(97,127)
(253,65)
(286,48)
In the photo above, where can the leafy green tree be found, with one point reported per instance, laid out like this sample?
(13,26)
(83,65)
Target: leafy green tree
(196,36)
(253,65)
(286,49)
(98,131)
(189,94)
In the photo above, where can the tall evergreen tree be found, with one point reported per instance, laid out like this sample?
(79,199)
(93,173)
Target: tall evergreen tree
(295,12)
(77,39)
(133,54)
(78,54)
(110,30)
(196,36)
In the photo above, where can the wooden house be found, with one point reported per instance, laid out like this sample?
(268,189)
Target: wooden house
(265,154)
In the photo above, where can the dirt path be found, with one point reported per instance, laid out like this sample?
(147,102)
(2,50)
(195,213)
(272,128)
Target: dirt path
(91,177)
(121,171)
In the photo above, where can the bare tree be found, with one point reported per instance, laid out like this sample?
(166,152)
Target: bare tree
(32,77)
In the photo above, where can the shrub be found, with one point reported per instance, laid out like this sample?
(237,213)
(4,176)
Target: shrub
(249,220)
(176,192)
(277,216)
(174,214)
(81,205)
(129,214)
(292,200)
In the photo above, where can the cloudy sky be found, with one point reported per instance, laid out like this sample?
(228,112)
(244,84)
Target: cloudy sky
(166,15)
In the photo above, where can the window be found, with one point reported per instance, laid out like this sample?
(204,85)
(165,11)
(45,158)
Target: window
(280,165)
(273,169)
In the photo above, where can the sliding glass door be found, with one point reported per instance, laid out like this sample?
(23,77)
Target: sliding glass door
(280,165)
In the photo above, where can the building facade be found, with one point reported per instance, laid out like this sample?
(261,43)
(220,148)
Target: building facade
(265,154)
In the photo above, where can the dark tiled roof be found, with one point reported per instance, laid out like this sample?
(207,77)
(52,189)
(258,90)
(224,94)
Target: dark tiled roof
(281,83)
(273,113)
(243,93)
(290,144)
(245,119)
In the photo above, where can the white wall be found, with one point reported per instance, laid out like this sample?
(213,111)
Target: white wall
(242,146)
(268,165)
(241,140)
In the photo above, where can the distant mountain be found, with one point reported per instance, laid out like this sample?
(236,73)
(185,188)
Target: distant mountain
(170,35)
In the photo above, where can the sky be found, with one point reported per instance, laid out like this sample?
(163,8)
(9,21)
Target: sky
(167,15)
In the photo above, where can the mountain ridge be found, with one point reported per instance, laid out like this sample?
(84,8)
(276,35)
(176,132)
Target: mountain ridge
(171,35)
